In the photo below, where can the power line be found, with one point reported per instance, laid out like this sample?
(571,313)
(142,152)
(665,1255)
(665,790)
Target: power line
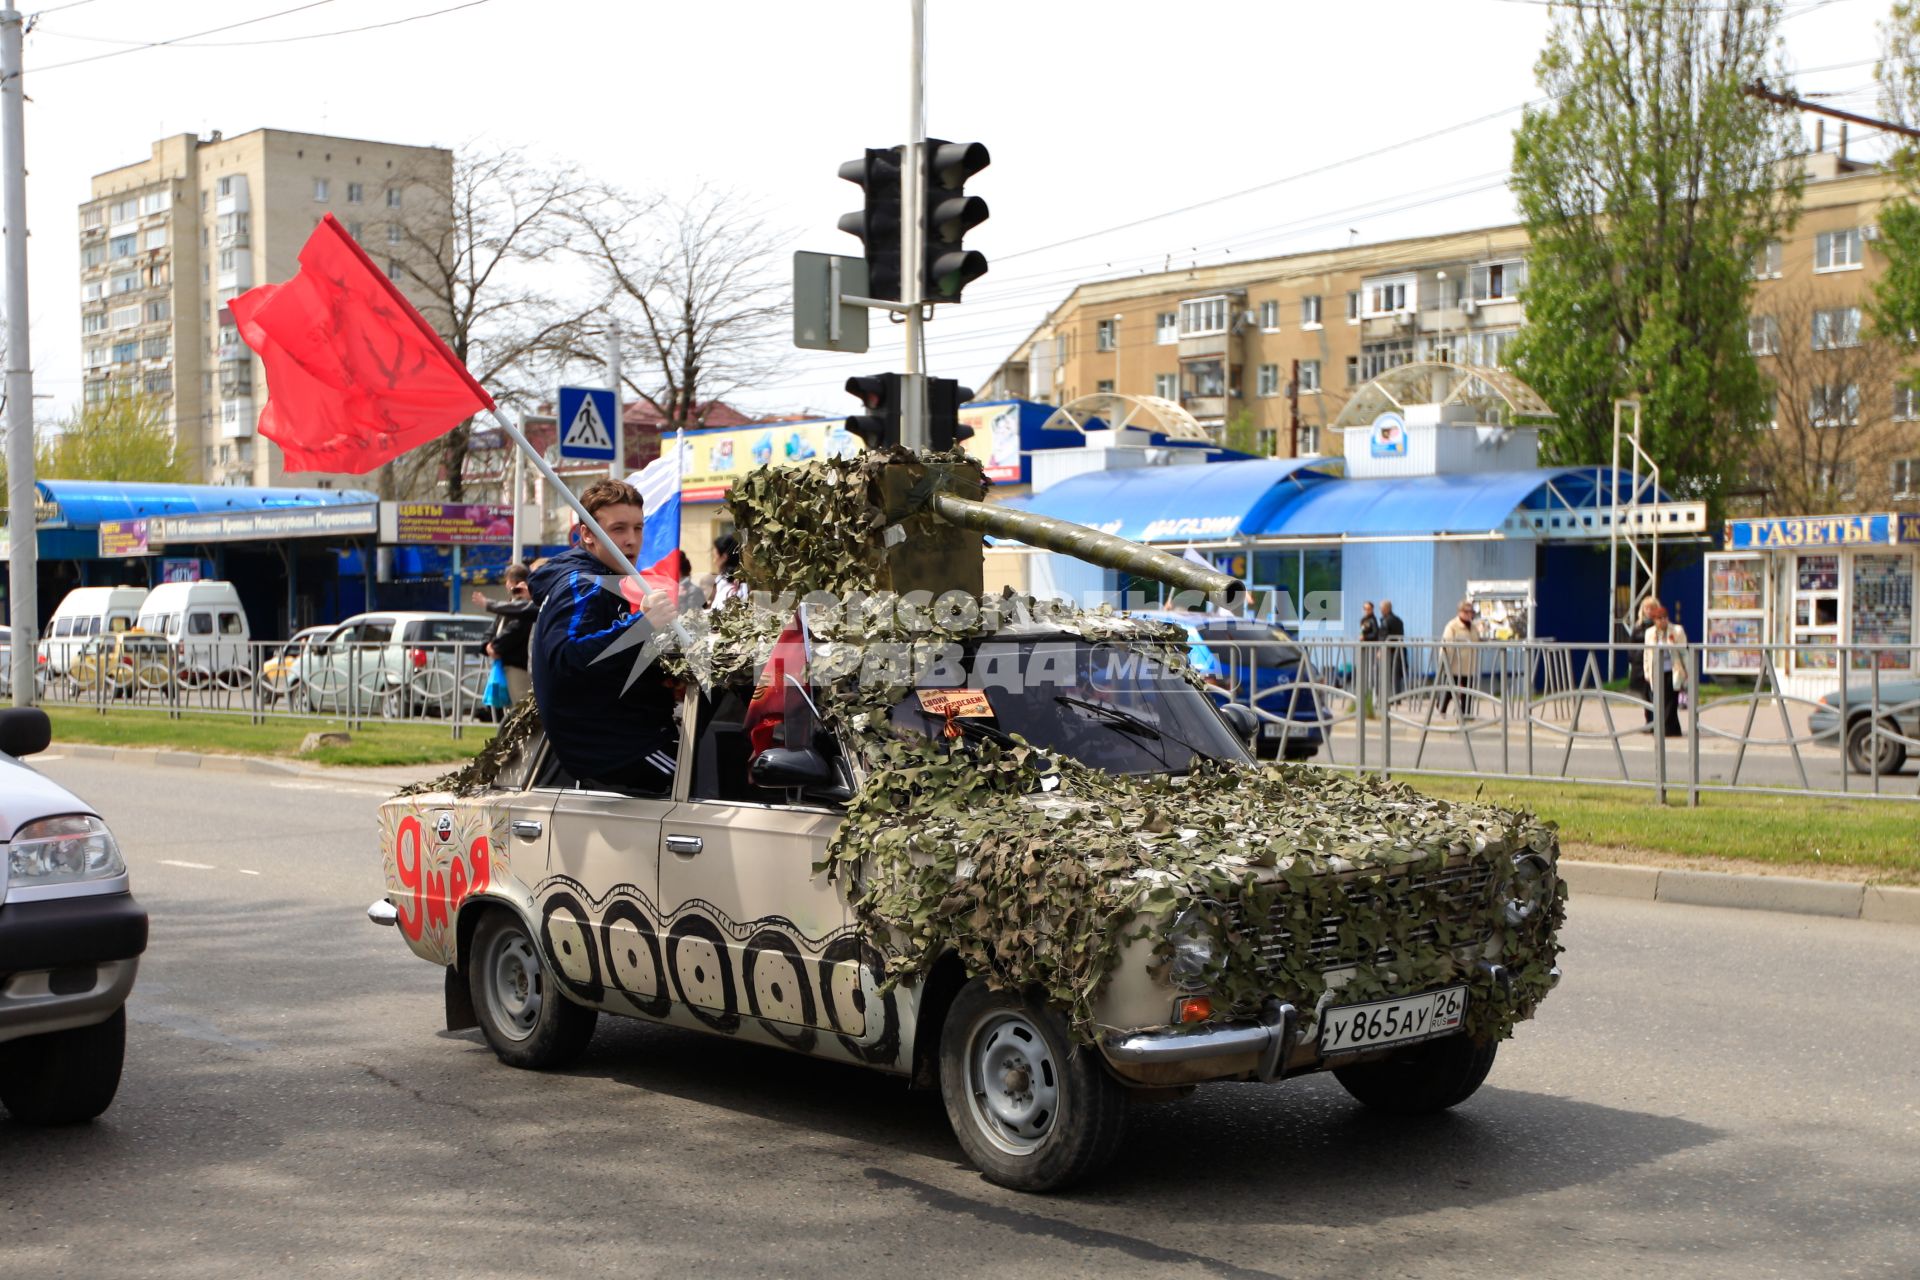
(191,35)
(237,44)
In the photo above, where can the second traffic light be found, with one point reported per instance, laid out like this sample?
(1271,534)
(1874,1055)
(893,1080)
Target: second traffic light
(879,426)
(877,225)
(949,214)
(944,428)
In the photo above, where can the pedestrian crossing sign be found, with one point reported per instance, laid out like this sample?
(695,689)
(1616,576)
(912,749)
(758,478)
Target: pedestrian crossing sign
(586,423)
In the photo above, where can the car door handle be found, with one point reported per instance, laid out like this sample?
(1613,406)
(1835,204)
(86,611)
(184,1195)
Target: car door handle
(527,830)
(688,845)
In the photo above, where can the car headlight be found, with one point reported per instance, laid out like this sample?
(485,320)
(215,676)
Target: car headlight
(1533,886)
(62,850)
(1194,954)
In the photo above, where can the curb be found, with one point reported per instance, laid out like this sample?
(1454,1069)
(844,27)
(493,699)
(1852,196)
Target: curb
(1887,904)
(181,759)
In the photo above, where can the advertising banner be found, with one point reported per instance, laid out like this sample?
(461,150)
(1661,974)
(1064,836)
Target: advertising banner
(273,522)
(122,539)
(179,570)
(445,524)
(1881,528)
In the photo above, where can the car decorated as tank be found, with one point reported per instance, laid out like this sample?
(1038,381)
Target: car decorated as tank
(1007,849)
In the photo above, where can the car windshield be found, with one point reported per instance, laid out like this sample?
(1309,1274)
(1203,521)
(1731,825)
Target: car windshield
(1259,643)
(452,630)
(1108,706)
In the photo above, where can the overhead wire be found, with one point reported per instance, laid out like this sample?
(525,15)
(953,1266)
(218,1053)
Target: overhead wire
(238,44)
(192,35)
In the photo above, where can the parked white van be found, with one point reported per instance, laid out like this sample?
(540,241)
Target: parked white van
(84,613)
(204,623)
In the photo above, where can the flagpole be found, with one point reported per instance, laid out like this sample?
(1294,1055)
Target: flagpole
(572,499)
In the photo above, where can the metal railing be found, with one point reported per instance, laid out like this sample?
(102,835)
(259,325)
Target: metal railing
(443,682)
(1757,718)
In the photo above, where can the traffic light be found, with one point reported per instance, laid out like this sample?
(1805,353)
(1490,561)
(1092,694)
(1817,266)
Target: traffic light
(879,427)
(950,214)
(944,428)
(877,225)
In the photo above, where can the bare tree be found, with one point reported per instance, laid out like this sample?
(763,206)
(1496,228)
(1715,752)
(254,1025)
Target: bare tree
(1836,431)
(694,283)
(479,248)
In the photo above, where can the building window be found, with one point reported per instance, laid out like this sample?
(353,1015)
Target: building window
(1763,335)
(1835,405)
(92,256)
(1309,441)
(1353,306)
(93,216)
(1166,328)
(1310,311)
(159,382)
(126,317)
(159,311)
(1270,314)
(224,187)
(93,322)
(1387,297)
(1353,371)
(1209,378)
(1766,263)
(1840,478)
(393,197)
(393,268)
(126,282)
(393,233)
(124,246)
(1106,333)
(1378,357)
(123,210)
(1309,377)
(1166,386)
(1266,380)
(155,201)
(1906,403)
(354,229)
(158,274)
(1104,387)
(1905,479)
(355,193)
(1489,349)
(226,260)
(155,238)
(96,356)
(1836,328)
(1499,281)
(154,348)
(1837,250)
(1201,317)
(321,188)
(126,352)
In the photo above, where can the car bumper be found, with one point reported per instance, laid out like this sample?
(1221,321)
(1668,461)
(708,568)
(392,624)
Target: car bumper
(67,962)
(1178,1055)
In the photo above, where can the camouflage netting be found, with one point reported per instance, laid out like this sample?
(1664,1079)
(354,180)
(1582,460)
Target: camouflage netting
(1037,870)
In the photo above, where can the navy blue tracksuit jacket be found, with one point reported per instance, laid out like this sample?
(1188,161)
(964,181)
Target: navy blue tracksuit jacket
(599,732)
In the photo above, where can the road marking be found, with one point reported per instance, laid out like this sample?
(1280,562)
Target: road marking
(191,866)
(245,872)
(332,788)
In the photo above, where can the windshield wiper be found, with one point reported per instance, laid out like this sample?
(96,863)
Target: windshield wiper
(1125,721)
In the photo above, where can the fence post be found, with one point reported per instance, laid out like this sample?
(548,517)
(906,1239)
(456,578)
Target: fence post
(1363,683)
(1694,708)
(459,683)
(1662,682)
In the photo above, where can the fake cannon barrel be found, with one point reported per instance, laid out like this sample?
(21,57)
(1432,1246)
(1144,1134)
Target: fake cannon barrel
(1091,545)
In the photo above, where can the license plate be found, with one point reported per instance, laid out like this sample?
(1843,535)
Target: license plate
(1400,1021)
(1271,730)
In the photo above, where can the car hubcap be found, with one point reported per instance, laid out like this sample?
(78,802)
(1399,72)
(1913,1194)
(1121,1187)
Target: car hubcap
(1013,1082)
(516,985)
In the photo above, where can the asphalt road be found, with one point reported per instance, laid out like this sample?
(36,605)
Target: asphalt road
(1710,1093)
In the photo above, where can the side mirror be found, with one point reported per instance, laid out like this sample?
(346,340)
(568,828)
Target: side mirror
(777,768)
(24,731)
(1240,719)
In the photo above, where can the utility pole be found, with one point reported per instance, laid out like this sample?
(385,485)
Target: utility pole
(618,467)
(518,482)
(23,571)
(913,386)
(1293,411)
(1760,91)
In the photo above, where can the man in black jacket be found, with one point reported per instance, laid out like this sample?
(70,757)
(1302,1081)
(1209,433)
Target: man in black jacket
(512,627)
(607,711)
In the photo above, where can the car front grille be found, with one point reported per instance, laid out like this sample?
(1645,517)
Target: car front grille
(1461,916)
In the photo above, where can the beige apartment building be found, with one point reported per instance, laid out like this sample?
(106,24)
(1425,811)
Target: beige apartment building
(1278,344)
(166,243)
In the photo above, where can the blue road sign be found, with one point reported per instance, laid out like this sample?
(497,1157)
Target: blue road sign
(586,423)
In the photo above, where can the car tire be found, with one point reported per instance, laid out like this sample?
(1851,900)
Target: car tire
(525,1017)
(1032,1110)
(1423,1079)
(64,1077)
(1862,748)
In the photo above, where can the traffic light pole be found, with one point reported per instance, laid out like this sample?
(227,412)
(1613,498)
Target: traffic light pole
(23,601)
(913,387)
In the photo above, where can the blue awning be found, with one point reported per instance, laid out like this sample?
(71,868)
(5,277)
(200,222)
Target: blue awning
(83,504)
(1418,506)
(1197,502)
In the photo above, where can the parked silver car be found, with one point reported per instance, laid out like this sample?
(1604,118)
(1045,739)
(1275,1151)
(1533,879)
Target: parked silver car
(1878,733)
(397,664)
(71,936)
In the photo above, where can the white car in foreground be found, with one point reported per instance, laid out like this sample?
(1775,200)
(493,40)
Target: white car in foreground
(71,936)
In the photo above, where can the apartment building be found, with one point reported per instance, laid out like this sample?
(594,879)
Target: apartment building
(1276,345)
(167,242)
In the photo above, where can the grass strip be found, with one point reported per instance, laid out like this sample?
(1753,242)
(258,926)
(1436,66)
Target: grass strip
(374,742)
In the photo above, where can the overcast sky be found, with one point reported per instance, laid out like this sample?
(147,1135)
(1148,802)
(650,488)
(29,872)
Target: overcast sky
(1097,113)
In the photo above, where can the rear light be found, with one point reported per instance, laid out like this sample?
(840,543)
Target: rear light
(1193,1009)
(419,657)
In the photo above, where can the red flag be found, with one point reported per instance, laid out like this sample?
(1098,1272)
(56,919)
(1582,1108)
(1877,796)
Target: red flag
(664,574)
(355,376)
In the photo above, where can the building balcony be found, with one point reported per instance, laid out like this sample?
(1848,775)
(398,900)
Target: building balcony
(237,419)
(1206,406)
(1210,344)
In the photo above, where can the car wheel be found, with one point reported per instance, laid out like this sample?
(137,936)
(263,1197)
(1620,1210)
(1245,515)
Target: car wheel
(524,1016)
(1421,1080)
(1869,754)
(1032,1110)
(64,1077)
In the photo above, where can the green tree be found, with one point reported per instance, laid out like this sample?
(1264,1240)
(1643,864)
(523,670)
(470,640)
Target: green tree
(1895,307)
(1648,182)
(123,438)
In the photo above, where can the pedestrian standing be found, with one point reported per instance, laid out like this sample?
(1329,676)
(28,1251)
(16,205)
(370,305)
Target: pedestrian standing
(513,623)
(1636,665)
(1457,658)
(1369,625)
(1393,631)
(727,584)
(1665,663)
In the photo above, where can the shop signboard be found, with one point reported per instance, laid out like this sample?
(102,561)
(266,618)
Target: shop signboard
(1388,438)
(445,524)
(123,539)
(1881,528)
(344,521)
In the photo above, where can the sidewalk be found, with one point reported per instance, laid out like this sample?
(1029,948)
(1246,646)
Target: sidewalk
(1749,891)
